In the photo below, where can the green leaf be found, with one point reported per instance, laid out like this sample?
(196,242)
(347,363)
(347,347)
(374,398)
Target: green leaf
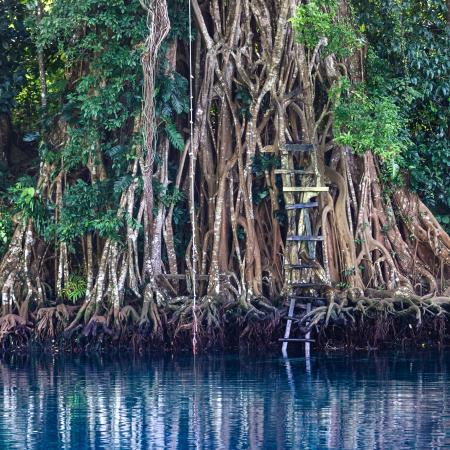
(175,138)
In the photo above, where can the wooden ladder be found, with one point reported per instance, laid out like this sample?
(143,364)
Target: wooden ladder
(301,186)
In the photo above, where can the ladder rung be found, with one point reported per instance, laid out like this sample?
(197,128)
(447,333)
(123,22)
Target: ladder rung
(294,171)
(307,299)
(299,147)
(295,340)
(309,285)
(305,188)
(304,238)
(302,205)
(300,266)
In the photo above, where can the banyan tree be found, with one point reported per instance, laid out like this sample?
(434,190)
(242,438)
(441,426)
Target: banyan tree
(201,207)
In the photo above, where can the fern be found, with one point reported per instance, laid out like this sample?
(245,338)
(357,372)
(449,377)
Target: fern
(174,136)
(74,288)
(122,183)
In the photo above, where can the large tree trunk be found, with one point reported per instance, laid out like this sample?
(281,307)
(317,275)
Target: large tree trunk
(255,88)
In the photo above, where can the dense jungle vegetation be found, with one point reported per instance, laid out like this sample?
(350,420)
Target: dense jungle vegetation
(102,179)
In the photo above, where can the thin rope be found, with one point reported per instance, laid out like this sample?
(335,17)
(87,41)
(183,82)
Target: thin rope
(192,185)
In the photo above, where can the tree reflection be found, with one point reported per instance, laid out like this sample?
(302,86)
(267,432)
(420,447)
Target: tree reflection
(225,403)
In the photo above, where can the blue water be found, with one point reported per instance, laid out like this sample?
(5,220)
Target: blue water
(393,401)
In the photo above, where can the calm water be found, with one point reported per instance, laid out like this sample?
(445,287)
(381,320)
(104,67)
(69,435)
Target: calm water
(360,402)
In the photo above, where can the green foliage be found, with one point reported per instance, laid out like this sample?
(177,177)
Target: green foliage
(19,75)
(171,88)
(348,272)
(6,229)
(98,43)
(166,195)
(13,42)
(364,119)
(171,95)
(171,99)
(241,234)
(179,22)
(104,37)
(74,288)
(410,62)
(244,100)
(319,19)
(86,209)
(261,164)
(181,227)
(92,51)
(6,223)
(428,161)
(174,136)
(27,203)
(108,224)
(370,122)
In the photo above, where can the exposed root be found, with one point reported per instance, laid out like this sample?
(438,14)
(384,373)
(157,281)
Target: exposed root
(153,317)
(390,315)
(51,322)
(260,320)
(125,317)
(211,313)
(96,326)
(15,331)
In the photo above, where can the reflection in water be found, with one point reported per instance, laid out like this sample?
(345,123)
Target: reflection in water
(388,402)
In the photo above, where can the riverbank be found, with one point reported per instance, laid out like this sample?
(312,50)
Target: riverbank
(51,330)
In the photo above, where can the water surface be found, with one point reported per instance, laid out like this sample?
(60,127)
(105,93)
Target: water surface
(392,401)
